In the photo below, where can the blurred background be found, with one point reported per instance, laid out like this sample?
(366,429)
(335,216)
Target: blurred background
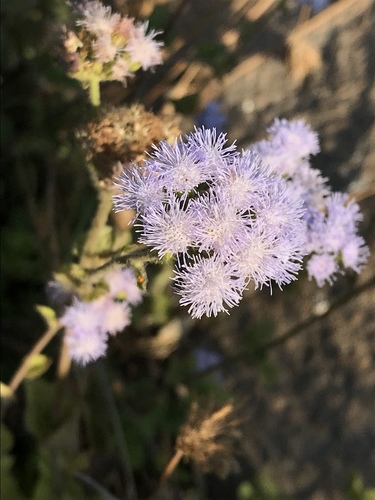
(298,366)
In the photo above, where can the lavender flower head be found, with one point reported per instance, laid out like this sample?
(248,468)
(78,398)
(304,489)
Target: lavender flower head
(89,324)
(331,240)
(226,217)
(109,46)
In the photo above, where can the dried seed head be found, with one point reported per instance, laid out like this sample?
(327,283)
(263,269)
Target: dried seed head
(125,134)
(208,437)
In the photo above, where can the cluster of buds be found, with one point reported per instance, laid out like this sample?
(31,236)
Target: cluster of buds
(108,46)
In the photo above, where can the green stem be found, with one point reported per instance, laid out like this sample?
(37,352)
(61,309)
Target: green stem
(100,220)
(94,88)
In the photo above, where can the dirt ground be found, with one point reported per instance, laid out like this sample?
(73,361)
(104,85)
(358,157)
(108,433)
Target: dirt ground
(315,424)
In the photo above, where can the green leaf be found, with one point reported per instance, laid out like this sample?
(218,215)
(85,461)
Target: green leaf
(47,313)
(6,392)
(245,491)
(8,484)
(37,365)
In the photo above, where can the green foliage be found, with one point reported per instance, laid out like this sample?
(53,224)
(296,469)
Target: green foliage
(8,485)
(260,488)
(356,490)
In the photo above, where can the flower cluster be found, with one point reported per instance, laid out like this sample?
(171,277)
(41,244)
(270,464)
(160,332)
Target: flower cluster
(89,324)
(110,46)
(225,216)
(331,219)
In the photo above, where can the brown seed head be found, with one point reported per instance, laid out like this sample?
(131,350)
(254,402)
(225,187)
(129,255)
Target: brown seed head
(125,134)
(208,437)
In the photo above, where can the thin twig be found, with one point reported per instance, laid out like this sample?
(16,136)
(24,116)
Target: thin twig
(37,349)
(118,430)
(170,467)
(140,252)
(64,363)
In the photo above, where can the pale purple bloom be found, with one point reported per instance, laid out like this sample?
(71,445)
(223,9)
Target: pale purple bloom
(168,228)
(109,46)
(208,287)
(220,209)
(98,18)
(143,48)
(211,149)
(218,225)
(296,136)
(85,337)
(354,253)
(289,143)
(277,156)
(115,315)
(279,210)
(243,179)
(179,168)
(123,285)
(263,258)
(120,69)
(311,186)
(83,315)
(230,219)
(83,347)
(323,268)
(142,189)
(104,49)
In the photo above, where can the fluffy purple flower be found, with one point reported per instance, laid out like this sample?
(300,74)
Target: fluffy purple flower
(323,268)
(123,286)
(289,143)
(109,46)
(229,218)
(88,324)
(296,136)
(115,315)
(142,189)
(97,18)
(85,337)
(208,287)
(211,149)
(354,253)
(84,348)
(334,233)
(243,179)
(180,169)
(143,48)
(226,217)
(168,228)
(218,225)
